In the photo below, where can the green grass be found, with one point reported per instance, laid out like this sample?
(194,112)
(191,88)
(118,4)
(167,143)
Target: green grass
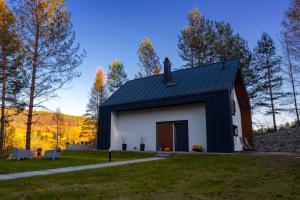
(183,176)
(69,158)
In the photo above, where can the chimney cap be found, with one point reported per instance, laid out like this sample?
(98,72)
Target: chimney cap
(167,61)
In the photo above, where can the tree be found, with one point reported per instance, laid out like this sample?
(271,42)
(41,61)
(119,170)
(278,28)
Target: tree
(116,76)
(48,39)
(97,97)
(291,69)
(267,63)
(291,25)
(89,129)
(59,121)
(290,41)
(157,71)
(11,74)
(148,60)
(204,41)
(196,39)
(99,88)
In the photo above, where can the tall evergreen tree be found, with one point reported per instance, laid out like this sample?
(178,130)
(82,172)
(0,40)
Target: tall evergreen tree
(48,39)
(116,76)
(12,75)
(196,40)
(97,96)
(204,41)
(267,63)
(148,60)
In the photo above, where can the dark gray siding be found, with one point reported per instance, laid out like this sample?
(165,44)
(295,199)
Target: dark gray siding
(103,132)
(219,123)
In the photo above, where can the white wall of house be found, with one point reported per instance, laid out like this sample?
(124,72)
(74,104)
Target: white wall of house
(236,119)
(135,124)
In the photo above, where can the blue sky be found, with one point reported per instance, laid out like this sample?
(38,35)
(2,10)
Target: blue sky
(113,29)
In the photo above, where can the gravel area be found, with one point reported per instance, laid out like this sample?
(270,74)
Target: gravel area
(280,141)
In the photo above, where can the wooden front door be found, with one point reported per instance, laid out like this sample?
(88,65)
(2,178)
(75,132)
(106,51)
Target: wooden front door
(164,136)
(172,136)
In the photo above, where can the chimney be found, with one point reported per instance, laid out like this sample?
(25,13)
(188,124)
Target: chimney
(167,71)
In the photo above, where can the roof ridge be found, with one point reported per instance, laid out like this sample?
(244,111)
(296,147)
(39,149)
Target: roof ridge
(188,68)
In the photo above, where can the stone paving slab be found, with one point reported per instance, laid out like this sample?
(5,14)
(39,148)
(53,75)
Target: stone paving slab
(71,169)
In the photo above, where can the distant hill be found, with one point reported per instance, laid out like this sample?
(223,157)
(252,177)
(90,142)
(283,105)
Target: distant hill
(44,129)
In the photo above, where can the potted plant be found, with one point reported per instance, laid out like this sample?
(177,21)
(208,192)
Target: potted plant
(124,145)
(142,145)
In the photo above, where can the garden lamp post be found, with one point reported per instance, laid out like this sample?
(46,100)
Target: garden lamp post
(109,155)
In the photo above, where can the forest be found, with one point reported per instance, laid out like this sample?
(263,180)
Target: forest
(39,55)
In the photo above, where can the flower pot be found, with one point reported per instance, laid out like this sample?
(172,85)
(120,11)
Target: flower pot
(124,147)
(142,147)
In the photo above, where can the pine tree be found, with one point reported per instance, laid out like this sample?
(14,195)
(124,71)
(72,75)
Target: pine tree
(196,39)
(116,76)
(267,63)
(12,74)
(291,25)
(48,39)
(148,60)
(97,96)
(291,71)
(290,41)
(204,41)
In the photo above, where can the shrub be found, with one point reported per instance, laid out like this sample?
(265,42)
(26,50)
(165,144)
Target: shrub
(6,152)
(39,152)
(197,147)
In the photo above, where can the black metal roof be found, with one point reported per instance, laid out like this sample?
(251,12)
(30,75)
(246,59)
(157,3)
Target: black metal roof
(197,80)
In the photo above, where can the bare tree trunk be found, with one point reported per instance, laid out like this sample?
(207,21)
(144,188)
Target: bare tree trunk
(293,84)
(57,121)
(2,129)
(32,87)
(271,97)
(97,115)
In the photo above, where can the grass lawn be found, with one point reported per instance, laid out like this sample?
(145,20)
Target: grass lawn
(69,158)
(183,176)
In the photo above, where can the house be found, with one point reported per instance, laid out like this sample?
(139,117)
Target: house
(205,105)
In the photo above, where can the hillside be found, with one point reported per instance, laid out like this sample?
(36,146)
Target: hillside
(44,129)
